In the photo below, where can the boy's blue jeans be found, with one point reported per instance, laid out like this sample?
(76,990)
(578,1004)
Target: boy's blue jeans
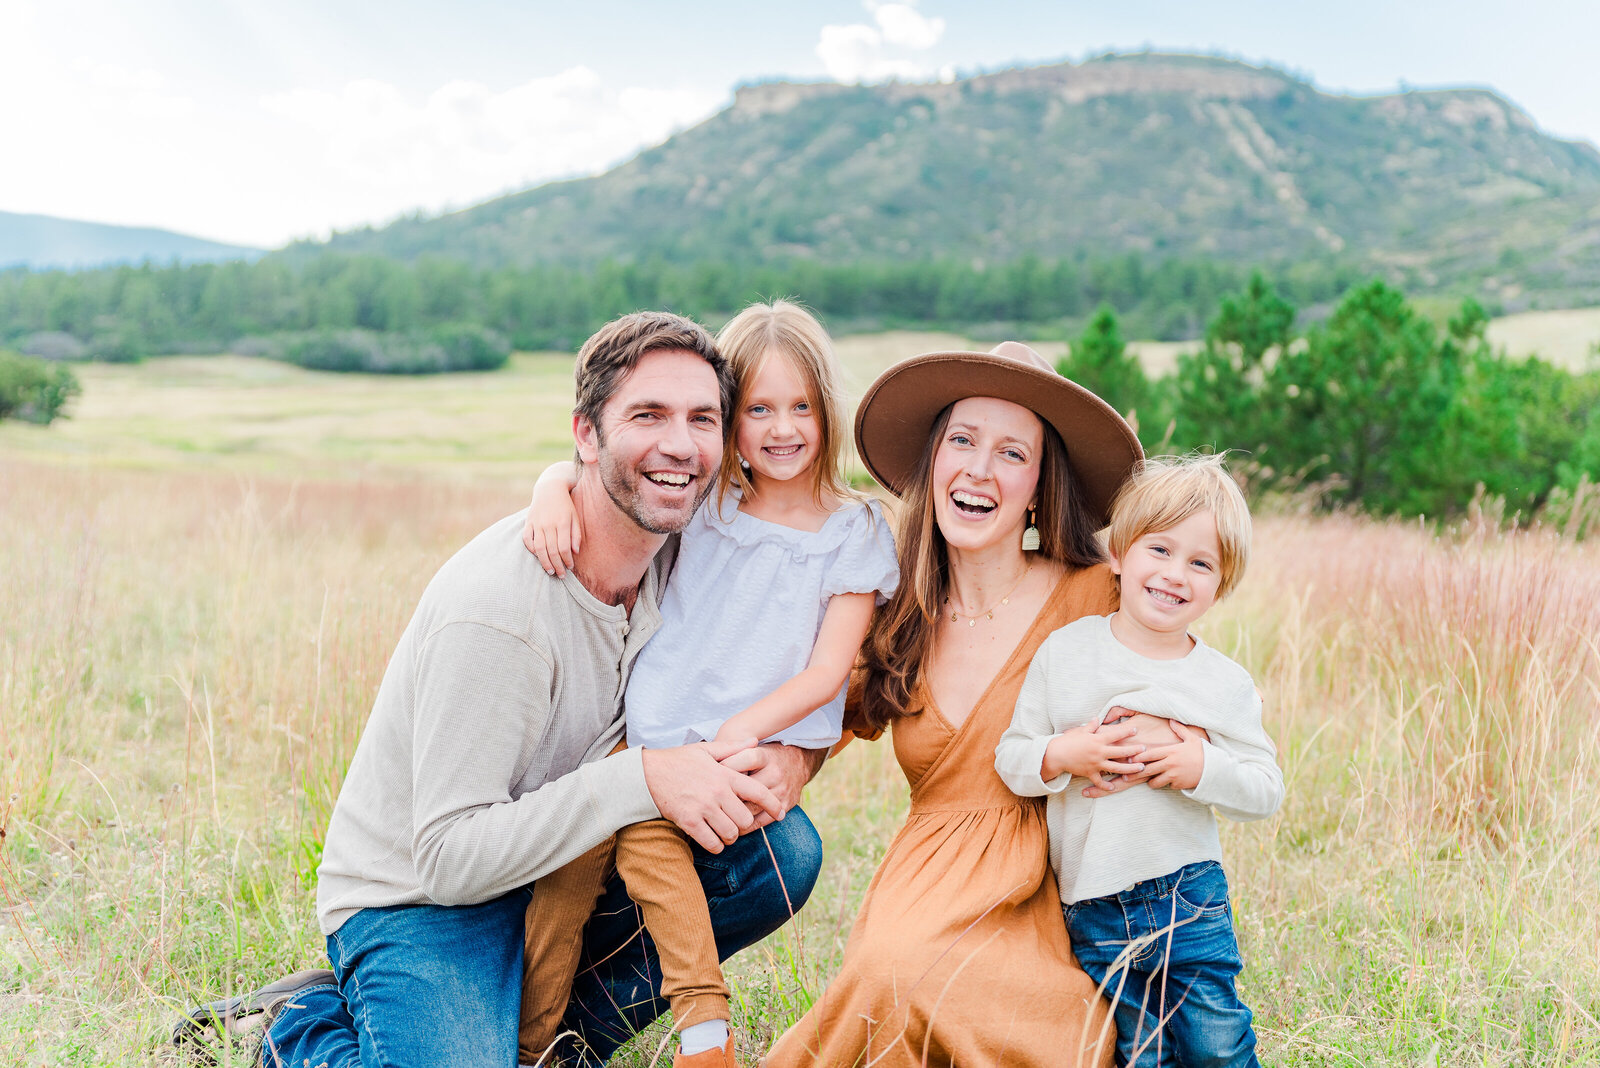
(1168,948)
(428,985)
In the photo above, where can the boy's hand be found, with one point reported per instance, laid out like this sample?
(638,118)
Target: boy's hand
(1179,765)
(1092,751)
(1158,734)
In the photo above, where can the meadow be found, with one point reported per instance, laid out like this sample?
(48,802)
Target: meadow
(206,569)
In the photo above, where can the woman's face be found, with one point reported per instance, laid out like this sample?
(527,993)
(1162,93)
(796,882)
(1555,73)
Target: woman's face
(985,472)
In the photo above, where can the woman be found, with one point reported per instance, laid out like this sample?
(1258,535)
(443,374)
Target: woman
(959,955)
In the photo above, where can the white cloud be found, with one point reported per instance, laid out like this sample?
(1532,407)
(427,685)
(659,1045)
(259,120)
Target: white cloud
(80,132)
(466,141)
(91,139)
(862,53)
(903,26)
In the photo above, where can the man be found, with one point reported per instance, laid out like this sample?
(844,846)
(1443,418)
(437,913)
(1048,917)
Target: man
(483,764)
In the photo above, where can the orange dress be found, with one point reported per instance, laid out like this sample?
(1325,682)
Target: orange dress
(959,955)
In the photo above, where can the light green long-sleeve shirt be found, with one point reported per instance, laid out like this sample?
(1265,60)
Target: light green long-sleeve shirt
(1103,846)
(483,765)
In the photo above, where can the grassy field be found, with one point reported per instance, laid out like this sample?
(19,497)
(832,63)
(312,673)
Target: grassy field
(252,415)
(262,417)
(206,570)
(1569,337)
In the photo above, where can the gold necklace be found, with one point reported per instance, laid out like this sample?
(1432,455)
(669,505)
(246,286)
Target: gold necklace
(988,613)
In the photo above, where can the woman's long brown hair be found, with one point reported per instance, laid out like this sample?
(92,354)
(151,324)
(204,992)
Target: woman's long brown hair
(901,639)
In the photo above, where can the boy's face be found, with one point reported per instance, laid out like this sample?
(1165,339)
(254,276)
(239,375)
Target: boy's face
(1170,577)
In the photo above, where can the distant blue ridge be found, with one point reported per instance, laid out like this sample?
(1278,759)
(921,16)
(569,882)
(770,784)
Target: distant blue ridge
(42,242)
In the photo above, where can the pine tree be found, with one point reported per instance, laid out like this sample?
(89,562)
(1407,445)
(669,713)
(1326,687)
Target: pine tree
(1219,400)
(1100,362)
(1364,402)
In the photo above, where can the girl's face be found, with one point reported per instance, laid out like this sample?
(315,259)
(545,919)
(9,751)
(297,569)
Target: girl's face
(777,432)
(1170,577)
(985,472)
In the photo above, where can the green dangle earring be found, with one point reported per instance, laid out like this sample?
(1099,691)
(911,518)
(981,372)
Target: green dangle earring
(1030,537)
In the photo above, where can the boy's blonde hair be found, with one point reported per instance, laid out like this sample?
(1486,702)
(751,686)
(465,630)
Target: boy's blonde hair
(787,330)
(1166,490)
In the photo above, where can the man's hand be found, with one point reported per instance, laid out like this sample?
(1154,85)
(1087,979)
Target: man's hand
(1151,730)
(711,802)
(783,769)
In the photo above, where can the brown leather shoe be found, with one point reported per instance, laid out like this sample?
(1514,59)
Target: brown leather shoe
(711,1058)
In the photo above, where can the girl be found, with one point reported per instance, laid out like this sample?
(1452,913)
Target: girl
(772,594)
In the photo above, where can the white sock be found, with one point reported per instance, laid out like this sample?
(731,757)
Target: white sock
(697,1038)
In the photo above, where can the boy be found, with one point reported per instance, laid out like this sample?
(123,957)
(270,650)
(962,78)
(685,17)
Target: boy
(1142,886)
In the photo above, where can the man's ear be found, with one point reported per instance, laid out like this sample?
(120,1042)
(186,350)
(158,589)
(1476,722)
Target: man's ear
(587,436)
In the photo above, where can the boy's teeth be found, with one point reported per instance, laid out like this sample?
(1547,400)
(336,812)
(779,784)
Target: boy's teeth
(1161,595)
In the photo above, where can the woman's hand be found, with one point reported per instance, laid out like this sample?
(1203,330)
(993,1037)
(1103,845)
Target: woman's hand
(1160,737)
(1179,765)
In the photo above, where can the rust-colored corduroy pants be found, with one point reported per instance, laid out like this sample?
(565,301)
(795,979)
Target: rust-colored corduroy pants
(657,866)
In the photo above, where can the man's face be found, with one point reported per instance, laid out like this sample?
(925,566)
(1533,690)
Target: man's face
(659,441)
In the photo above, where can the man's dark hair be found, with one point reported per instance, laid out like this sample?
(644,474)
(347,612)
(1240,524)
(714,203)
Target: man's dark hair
(616,348)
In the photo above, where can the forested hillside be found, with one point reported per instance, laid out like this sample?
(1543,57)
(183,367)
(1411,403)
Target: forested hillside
(1165,156)
(1151,183)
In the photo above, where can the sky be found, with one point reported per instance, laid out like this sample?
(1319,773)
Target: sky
(257,122)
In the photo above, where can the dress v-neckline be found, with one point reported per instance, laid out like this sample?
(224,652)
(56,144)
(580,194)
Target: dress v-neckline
(956,729)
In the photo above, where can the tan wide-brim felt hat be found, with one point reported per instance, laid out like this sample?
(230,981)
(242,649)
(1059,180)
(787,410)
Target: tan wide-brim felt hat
(896,416)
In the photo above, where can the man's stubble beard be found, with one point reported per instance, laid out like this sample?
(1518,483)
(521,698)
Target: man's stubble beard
(624,493)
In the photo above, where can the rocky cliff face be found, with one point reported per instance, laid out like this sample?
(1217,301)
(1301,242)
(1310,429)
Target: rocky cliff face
(1070,83)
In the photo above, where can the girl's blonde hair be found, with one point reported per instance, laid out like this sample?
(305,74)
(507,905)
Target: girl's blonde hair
(1166,490)
(788,330)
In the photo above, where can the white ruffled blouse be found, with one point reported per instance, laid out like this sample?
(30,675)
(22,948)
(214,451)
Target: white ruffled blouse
(740,615)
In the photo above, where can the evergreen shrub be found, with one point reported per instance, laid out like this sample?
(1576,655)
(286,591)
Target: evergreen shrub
(33,390)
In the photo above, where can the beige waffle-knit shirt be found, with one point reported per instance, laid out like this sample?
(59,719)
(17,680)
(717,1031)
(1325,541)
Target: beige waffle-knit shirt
(483,765)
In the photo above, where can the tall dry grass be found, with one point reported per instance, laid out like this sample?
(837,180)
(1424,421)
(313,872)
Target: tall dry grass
(186,661)
(1429,888)
(1428,892)
(185,665)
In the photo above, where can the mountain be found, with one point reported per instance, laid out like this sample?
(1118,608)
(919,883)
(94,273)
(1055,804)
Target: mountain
(43,241)
(1163,155)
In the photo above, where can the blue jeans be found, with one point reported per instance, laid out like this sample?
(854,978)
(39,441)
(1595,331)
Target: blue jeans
(1168,948)
(427,985)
